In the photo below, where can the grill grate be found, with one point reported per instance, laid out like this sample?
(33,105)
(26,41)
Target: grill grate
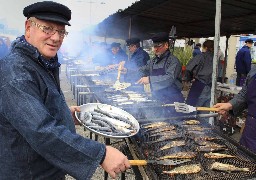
(150,150)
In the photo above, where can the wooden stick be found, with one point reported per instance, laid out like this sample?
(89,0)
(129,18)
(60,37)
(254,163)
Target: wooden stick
(138,162)
(206,109)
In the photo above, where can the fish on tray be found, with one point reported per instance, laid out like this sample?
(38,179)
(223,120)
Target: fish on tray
(173,144)
(191,122)
(186,169)
(179,155)
(227,167)
(212,155)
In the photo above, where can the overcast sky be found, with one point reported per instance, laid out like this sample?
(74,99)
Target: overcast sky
(84,12)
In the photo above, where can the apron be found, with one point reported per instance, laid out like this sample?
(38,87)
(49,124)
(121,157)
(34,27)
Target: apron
(169,94)
(194,92)
(248,138)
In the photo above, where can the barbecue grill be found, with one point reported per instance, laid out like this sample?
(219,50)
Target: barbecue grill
(147,150)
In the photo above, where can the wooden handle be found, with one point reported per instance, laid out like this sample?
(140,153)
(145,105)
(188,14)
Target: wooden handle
(119,72)
(206,109)
(138,162)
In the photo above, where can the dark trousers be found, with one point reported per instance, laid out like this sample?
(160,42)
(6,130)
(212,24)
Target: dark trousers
(240,79)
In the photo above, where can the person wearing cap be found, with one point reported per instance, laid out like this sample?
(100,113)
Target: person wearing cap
(37,132)
(243,62)
(117,54)
(199,72)
(197,50)
(163,72)
(139,58)
(245,99)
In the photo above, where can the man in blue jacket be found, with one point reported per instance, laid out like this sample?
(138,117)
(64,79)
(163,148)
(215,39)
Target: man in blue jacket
(38,139)
(243,62)
(138,59)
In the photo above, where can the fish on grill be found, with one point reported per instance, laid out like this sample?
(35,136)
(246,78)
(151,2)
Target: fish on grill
(160,129)
(168,133)
(164,138)
(205,138)
(191,122)
(227,167)
(173,144)
(210,148)
(212,155)
(208,143)
(156,124)
(186,169)
(196,128)
(179,155)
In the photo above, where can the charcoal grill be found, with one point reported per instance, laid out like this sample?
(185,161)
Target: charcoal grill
(244,157)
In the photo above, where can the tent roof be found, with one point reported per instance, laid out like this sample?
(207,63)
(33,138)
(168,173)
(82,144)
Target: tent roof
(192,19)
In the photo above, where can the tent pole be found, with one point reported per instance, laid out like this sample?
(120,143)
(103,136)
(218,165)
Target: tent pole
(215,57)
(225,60)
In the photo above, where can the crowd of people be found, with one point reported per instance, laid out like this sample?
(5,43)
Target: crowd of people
(37,128)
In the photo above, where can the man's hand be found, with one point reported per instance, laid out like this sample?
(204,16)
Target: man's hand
(143,80)
(115,162)
(223,107)
(73,109)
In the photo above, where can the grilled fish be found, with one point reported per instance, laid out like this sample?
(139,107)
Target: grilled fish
(187,169)
(156,124)
(209,148)
(160,129)
(227,167)
(164,138)
(180,155)
(168,133)
(196,128)
(191,122)
(173,144)
(208,144)
(217,155)
(205,138)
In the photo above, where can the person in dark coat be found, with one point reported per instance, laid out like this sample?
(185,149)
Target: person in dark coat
(163,72)
(243,62)
(117,54)
(138,59)
(199,69)
(245,99)
(197,50)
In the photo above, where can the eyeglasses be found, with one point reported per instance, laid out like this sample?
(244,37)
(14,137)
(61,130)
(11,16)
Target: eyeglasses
(49,30)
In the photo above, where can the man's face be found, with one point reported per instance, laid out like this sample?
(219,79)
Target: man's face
(47,44)
(115,50)
(132,48)
(160,48)
(249,44)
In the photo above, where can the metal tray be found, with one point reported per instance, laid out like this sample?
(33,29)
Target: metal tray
(106,107)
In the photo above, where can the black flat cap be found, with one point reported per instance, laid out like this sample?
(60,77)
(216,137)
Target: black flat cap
(50,11)
(248,41)
(160,37)
(115,44)
(132,41)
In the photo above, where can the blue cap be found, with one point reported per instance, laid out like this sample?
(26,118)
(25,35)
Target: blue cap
(50,11)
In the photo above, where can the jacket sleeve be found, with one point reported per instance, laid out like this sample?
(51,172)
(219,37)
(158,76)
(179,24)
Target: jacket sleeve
(55,140)
(173,72)
(247,61)
(144,70)
(191,67)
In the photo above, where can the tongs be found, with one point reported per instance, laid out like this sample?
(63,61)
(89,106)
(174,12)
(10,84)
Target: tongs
(185,108)
(160,162)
